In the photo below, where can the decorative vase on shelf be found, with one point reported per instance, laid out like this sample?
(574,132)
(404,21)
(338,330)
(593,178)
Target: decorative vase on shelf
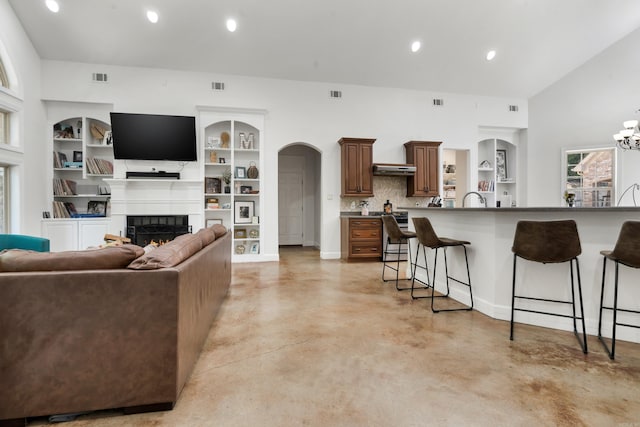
(364,211)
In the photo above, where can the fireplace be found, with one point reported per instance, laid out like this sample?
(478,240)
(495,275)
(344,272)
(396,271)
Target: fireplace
(142,229)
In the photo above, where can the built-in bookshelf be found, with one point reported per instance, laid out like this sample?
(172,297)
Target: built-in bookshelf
(232,193)
(82,157)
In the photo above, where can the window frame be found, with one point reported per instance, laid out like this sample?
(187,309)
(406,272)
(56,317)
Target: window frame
(582,190)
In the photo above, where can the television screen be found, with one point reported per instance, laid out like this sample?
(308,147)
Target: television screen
(153,137)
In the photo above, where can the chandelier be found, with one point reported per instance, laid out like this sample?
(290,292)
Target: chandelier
(629,137)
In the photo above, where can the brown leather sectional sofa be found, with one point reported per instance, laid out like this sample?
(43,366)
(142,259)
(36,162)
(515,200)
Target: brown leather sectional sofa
(99,338)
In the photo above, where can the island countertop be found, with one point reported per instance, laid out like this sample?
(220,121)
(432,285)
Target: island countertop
(491,232)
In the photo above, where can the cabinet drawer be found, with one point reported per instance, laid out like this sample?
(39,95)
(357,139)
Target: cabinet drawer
(365,233)
(365,249)
(365,223)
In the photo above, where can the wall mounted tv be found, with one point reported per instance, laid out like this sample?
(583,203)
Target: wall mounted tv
(153,137)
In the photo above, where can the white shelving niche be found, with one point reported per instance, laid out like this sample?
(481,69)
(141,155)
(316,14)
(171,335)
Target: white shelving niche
(497,171)
(232,144)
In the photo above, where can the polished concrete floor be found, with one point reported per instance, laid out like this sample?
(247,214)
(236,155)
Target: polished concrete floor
(326,343)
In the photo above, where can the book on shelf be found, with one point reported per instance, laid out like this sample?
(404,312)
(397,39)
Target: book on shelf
(486,185)
(64,210)
(64,187)
(59,159)
(99,166)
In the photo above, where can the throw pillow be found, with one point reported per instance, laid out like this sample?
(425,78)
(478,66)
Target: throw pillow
(170,254)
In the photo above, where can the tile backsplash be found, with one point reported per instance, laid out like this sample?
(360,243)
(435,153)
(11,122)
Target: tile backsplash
(392,188)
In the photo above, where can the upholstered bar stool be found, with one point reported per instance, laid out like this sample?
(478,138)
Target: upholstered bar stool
(399,237)
(549,242)
(427,238)
(625,252)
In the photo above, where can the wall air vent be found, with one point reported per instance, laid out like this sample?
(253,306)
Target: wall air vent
(438,102)
(99,77)
(335,94)
(217,85)
(513,108)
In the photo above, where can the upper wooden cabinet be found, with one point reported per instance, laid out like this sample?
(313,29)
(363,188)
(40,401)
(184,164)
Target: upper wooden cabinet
(424,156)
(357,166)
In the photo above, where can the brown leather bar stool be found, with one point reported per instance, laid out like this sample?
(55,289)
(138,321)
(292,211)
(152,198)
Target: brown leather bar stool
(427,238)
(395,236)
(625,252)
(549,242)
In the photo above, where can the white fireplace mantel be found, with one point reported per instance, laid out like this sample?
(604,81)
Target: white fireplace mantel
(155,197)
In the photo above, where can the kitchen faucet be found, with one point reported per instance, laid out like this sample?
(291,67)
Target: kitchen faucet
(483,199)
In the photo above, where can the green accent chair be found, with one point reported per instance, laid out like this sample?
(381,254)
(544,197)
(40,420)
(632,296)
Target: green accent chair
(18,241)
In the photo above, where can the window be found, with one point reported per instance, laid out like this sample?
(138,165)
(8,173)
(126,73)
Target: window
(4,80)
(4,127)
(589,175)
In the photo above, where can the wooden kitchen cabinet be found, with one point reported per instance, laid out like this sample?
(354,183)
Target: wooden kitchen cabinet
(424,156)
(357,167)
(361,238)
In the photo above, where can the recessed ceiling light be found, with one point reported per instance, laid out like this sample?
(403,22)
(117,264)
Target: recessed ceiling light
(415,46)
(491,54)
(53,6)
(231,24)
(152,16)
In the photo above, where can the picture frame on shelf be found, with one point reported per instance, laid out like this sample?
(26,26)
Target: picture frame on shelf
(213,221)
(222,160)
(245,189)
(254,248)
(212,143)
(241,172)
(97,207)
(243,212)
(212,185)
(240,233)
(77,156)
(501,165)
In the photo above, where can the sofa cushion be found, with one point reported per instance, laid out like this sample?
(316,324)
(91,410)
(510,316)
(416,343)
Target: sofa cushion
(96,259)
(220,230)
(170,254)
(207,235)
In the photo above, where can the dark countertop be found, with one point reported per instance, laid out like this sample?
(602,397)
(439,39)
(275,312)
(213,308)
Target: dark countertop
(529,209)
(373,214)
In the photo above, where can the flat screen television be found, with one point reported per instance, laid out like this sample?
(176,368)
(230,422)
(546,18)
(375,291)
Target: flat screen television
(153,137)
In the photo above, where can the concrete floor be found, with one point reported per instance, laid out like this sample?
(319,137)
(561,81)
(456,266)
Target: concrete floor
(326,343)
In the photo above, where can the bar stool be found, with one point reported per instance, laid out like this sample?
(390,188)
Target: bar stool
(395,236)
(427,238)
(625,252)
(549,242)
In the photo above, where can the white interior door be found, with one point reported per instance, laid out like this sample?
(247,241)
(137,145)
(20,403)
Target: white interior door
(290,208)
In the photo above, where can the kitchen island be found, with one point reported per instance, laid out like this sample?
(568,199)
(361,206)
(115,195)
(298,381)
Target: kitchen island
(491,232)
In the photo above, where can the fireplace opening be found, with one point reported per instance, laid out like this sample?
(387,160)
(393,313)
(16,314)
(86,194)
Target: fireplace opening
(143,229)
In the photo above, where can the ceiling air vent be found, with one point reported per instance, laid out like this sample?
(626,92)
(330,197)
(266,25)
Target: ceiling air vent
(335,94)
(513,108)
(217,85)
(99,77)
(438,102)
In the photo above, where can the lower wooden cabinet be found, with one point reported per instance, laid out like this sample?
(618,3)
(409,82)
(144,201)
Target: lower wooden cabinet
(361,238)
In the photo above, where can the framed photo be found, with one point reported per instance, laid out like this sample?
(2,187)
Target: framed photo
(243,212)
(213,221)
(245,189)
(212,142)
(501,165)
(222,160)
(212,185)
(240,233)
(254,248)
(77,156)
(97,207)
(241,172)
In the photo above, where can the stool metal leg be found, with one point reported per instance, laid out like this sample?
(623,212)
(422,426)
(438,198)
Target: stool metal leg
(610,351)
(446,269)
(425,285)
(397,267)
(583,343)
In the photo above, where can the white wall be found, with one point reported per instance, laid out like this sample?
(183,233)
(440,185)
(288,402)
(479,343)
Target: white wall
(297,111)
(31,190)
(584,109)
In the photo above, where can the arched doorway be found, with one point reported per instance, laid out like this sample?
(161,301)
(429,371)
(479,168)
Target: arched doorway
(299,196)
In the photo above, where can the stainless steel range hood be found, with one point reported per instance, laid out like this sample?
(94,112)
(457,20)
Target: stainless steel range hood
(390,169)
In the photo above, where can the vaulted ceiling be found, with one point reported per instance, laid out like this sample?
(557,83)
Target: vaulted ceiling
(365,42)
